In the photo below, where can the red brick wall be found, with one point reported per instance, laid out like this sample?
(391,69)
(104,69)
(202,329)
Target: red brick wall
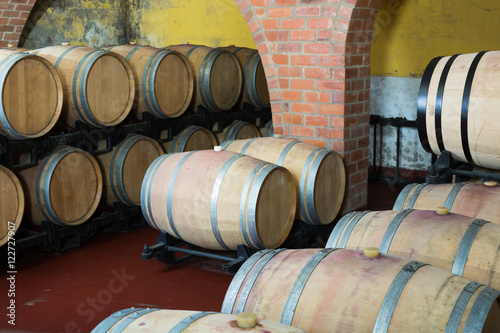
(317,60)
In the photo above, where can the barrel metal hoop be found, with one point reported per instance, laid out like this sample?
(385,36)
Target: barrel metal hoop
(270,130)
(185,138)
(243,204)
(460,306)
(299,285)
(188,53)
(480,309)
(5,127)
(415,195)
(350,228)
(285,151)
(232,130)
(311,183)
(134,50)
(439,102)
(245,147)
(117,161)
(147,183)
(302,185)
(423,96)
(253,74)
(392,297)
(464,115)
(398,205)
(215,197)
(81,114)
(171,189)
(204,82)
(236,283)
(43,199)
(391,230)
(238,49)
(252,277)
(40,50)
(61,57)
(158,58)
(465,246)
(339,227)
(109,322)
(148,100)
(125,322)
(252,204)
(226,144)
(184,323)
(450,199)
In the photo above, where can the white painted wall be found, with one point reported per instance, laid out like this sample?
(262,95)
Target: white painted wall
(393,97)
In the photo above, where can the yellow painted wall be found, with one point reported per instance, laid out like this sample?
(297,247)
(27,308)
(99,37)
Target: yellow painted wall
(150,22)
(409,33)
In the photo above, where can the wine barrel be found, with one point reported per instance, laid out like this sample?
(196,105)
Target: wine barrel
(331,290)
(459,244)
(217,75)
(191,138)
(175,321)
(480,201)
(11,204)
(318,173)
(219,199)
(255,91)
(64,188)
(31,95)
(98,85)
(124,169)
(458,107)
(163,80)
(238,130)
(267,130)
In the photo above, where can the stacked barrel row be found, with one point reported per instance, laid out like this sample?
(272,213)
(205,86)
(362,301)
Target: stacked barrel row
(65,84)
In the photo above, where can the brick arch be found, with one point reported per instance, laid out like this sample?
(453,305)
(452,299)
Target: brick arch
(316,55)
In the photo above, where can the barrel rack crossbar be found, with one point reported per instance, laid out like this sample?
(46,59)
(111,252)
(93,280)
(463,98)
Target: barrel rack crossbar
(167,246)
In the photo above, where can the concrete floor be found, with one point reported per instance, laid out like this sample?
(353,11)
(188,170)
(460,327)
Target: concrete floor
(75,291)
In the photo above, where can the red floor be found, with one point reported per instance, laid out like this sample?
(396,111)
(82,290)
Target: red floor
(75,291)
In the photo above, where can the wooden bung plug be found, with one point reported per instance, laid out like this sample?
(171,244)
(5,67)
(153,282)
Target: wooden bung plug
(218,148)
(65,43)
(372,252)
(490,183)
(442,210)
(246,320)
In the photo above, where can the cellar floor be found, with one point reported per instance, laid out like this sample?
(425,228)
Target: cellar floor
(75,291)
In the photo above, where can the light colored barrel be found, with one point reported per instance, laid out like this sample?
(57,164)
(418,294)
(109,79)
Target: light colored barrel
(163,80)
(459,244)
(124,168)
(318,173)
(479,201)
(339,290)
(217,75)
(255,91)
(176,321)
(11,204)
(191,138)
(219,199)
(267,130)
(98,85)
(31,95)
(238,130)
(458,107)
(64,188)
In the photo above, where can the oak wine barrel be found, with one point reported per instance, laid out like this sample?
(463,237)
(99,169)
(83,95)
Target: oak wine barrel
(64,188)
(31,95)
(219,199)
(124,168)
(267,130)
(340,290)
(11,204)
(238,130)
(163,80)
(217,76)
(255,91)
(458,106)
(318,173)
(175,321)
(459,244)
(480,201)
(191,138)
(98,85)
